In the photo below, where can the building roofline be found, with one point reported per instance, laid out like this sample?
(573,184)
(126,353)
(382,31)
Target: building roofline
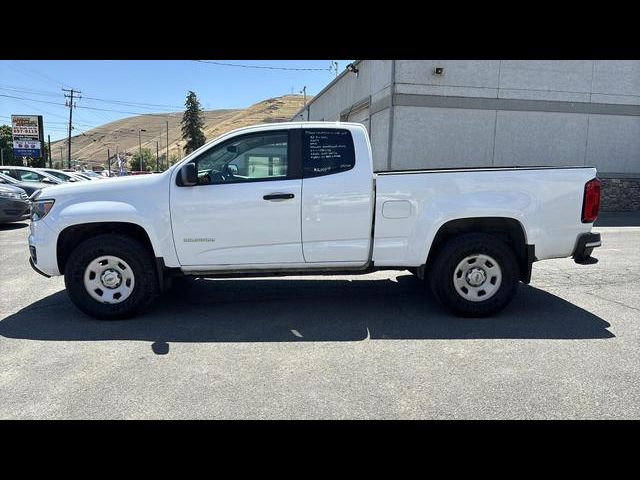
(329,85)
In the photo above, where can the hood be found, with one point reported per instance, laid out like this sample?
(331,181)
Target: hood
(32,185)
(11,189)
(110,188)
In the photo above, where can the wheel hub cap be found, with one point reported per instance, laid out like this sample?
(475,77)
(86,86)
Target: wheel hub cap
(111,279)
(476,277)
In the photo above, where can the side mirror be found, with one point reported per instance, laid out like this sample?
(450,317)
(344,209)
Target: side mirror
(48,180)
(232,169)
(189,174)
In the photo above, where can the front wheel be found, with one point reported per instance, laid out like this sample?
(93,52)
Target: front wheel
(475,275)
(110,277)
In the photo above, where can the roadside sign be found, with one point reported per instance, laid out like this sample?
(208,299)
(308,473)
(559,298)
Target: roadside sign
(27,133)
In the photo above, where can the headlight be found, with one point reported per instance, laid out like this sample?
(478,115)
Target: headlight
(40,208)
(10,195)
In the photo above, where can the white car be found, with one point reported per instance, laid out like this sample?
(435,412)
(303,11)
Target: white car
(302,198)
(62,175)
(28,174)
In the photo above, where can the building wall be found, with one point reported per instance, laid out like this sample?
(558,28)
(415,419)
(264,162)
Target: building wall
(498,113)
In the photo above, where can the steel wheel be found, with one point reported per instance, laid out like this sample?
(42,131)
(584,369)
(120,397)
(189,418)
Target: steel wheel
(109,279)
(477,277)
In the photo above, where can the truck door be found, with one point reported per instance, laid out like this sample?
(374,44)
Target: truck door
(245,209)
(337,195)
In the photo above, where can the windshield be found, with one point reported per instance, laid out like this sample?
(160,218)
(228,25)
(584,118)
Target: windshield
(7,179)
(60,175)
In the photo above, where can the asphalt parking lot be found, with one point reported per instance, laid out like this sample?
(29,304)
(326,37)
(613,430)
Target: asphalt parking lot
(373,346)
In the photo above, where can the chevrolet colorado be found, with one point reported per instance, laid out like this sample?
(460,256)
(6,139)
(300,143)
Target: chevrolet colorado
(302,198)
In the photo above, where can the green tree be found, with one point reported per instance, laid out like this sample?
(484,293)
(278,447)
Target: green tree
(148,160)
(6,144)
(192,124)
(173,158)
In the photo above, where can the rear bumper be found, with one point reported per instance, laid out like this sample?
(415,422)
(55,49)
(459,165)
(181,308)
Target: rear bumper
(586,243)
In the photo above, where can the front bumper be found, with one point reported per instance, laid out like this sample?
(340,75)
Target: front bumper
(42,247)
(33,265)
(586,243)
(14,210)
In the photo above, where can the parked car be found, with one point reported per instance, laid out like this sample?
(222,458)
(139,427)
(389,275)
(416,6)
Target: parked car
(302,198)
(29,187)
(91,175)
(62,175)
(14,204)
(28,174)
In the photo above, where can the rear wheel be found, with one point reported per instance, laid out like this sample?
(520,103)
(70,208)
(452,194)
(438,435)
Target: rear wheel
(110,277)
(474,275)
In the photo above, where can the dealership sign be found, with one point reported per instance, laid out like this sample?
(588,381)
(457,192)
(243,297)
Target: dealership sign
(27,135)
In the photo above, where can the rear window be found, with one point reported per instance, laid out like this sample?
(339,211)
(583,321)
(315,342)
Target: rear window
(327,151)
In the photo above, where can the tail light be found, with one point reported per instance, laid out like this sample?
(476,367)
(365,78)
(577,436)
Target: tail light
(591,201)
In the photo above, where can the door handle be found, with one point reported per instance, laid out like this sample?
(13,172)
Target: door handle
(279,196)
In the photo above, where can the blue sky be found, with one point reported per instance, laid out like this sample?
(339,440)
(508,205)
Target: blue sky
(124,85)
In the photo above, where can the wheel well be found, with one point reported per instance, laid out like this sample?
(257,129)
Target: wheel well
(72,236)
(508,230)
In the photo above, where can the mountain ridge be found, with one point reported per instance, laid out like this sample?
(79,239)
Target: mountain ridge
(90,148)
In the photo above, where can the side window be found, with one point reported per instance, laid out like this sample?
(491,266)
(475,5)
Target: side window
(327,151)
(248,158)
(27,176)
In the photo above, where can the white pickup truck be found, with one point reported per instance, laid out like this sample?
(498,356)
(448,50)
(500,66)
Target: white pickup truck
(302,198)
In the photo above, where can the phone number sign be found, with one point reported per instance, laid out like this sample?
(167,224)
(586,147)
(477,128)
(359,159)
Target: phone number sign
(27,135)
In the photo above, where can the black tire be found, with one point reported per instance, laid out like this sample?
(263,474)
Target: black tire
(455,251)
(128,249)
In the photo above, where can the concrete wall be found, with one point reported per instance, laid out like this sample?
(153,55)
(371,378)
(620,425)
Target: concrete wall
(581,112)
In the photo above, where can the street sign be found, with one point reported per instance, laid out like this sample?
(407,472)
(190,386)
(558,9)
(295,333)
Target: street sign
(27,132)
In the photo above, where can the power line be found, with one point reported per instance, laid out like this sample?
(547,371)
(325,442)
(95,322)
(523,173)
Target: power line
(265,67)
(32,99)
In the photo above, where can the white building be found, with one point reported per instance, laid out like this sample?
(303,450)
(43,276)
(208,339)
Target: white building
(459,113)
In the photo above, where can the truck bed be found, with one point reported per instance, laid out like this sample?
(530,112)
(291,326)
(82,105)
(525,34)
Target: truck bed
(412,205)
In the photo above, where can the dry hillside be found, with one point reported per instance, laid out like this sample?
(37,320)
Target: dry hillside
(91,146)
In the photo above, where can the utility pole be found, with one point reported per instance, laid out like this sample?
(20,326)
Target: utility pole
(167,143)
(1,156)
(49,142)
(71,106)
(109,161)
(157,157)
(334,67)
(118,159)
(304,91)
(61,157)
(140,130)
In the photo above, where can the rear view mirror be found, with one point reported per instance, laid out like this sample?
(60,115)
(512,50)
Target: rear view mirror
(189,174)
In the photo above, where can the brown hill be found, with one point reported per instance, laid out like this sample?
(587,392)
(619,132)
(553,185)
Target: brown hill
(90,148)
